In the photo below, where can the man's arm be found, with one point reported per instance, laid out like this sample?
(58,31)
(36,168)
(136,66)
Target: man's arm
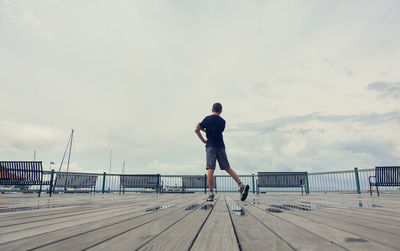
(198,129)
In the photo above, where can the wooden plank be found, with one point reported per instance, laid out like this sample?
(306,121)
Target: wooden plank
(337,202)
(357,224)
(137,237)
(349,215)
(60,206)
(10,216)
(371,215)
(91,237)
(57,214)
(65,215)
(181,235)
(61,220)
(43,235)
(384,238)
(386,226)
(295,235)
(217,233)
(340,236)
(252,234)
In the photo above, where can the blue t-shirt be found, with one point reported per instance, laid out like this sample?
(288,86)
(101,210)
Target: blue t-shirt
(214,126)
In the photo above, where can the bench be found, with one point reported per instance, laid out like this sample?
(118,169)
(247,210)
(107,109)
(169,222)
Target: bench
(75,180)
(196,181)
(140,181)
(385,176)
(281,179)
(22,173)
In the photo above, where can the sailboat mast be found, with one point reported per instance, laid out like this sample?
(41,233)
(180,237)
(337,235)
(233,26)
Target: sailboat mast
(110,159)
(70,147)
(65,152)
(109,178)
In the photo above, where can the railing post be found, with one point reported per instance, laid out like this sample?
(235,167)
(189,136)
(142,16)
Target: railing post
(104,182)
(205,183)
(307,184)
(357,180)
(159,183)
(252,180)
(51,181)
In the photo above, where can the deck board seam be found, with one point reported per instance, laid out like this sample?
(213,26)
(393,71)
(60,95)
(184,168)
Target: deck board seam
(167,228)
(59,217)
(277,235)
(306,230)
(69,237)
(353,223)
(94,221)
(85,208)
(233,226)
(346,231)
(201,227)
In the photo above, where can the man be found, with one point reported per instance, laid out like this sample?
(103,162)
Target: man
(213,125)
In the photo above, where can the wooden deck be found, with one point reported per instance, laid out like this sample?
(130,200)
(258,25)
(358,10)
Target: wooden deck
(142,221)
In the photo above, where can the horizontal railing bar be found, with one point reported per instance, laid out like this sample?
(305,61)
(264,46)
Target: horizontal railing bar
(332,172)
(217,175)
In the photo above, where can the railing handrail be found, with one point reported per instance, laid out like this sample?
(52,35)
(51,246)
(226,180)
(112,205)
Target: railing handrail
(201,174)
(332,172)
(344,180)
(366,170)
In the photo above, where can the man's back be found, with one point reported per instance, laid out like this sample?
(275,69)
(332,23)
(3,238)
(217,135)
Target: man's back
(214,126)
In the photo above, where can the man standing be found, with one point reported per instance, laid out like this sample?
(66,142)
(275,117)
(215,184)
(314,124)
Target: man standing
(213,125)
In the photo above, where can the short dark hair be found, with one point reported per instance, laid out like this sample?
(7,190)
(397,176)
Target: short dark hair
(217,107)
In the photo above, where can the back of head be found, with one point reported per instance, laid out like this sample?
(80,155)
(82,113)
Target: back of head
(217,107)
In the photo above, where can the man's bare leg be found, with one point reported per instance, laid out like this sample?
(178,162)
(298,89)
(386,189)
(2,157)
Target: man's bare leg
(243,189)
(233,174)
(210,179)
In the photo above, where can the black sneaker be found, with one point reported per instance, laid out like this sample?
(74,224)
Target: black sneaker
(210,197)
(244,191)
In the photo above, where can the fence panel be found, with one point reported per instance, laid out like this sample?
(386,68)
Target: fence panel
(337,181)
(332,181)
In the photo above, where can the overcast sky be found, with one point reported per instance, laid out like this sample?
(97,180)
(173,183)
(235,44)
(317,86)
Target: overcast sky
(305,85)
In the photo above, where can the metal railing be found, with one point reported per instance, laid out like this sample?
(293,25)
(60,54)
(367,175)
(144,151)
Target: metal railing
(332,181)
(338,181)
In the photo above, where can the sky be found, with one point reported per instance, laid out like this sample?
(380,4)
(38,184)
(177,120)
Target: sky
(305,85)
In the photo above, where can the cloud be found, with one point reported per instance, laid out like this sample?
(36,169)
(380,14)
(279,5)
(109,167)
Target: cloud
(384,151)
(22,137)
(386,89)
(167,168)
(30,18)
(284,123)
(138,81)
(317,142)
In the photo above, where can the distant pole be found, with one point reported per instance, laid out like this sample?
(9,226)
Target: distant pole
(65,152)
(70,148)
(104,182)
(51,181)
(357,179)
(123,167)
(109,183)
(110,160)
(252,180)
(34,155)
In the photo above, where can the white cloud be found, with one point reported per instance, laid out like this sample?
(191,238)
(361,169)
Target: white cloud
(174,169)
(30,18)
(136,77)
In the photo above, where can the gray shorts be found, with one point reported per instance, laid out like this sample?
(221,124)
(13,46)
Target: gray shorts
(213,154)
